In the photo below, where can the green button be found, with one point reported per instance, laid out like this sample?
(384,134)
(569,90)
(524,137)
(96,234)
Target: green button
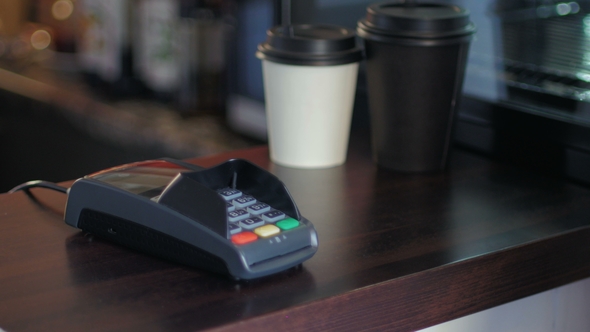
(288,223)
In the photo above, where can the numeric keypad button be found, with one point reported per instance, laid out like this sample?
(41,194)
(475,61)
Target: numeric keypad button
(237,215)
(251,223)
(244,201)
(228,193)
(258,208)
(273,216)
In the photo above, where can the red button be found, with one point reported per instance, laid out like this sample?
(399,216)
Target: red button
(244,237)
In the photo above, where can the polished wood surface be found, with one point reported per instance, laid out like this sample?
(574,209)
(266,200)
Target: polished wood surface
(398,252)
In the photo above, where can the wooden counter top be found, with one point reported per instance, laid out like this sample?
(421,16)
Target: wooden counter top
(397,252)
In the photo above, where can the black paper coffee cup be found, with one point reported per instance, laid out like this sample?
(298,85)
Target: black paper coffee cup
(415,58)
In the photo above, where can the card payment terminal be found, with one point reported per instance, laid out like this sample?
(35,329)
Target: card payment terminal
(234,218)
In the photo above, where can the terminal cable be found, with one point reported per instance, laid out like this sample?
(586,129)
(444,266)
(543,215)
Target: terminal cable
(38,183)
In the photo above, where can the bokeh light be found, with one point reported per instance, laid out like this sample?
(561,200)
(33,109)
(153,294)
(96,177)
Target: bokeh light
(40,39)
(62,9)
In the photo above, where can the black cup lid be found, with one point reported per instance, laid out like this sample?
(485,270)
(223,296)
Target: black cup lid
(310,45)
(420,20)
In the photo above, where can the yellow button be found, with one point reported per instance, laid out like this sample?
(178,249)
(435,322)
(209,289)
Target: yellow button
(267,230)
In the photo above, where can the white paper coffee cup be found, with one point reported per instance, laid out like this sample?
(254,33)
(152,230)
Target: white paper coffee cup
(310,75)
(308,111)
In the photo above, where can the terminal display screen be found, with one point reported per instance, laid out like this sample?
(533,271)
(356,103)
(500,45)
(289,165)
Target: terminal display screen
(147,178)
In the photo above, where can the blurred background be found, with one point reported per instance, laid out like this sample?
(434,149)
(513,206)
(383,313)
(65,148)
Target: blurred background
(86,85)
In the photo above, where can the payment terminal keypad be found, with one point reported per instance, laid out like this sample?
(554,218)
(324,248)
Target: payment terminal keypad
(250,220)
